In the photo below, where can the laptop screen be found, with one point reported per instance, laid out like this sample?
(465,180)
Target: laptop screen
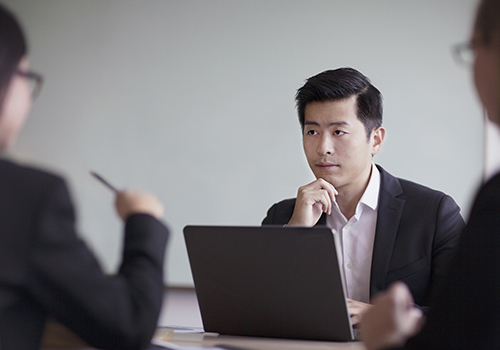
(269,281)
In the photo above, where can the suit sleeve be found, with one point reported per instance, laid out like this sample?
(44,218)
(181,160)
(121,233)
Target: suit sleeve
(108,312)
(280,213)
(449,227)
(269,219)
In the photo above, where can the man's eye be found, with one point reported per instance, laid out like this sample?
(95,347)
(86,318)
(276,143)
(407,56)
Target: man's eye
(338,132)
(311,132)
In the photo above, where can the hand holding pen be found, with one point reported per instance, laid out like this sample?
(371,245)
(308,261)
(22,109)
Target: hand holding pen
(129,202)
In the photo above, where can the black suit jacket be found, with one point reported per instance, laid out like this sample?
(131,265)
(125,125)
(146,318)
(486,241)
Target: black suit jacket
(416,235)
(47,270)
(466,314)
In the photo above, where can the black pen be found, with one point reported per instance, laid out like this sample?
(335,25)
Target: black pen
(104,181)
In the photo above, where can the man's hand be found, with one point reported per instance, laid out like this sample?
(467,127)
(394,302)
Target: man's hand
(392,319)
(130,202)
(312,200)
(357,309)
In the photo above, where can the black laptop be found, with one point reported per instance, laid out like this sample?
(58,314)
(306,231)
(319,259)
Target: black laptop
(269,281)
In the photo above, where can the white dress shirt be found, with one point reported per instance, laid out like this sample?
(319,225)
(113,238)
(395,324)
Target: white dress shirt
(356,237)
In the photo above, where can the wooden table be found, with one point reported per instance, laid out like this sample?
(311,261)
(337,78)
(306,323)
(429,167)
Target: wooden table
(59,337)
(257,343)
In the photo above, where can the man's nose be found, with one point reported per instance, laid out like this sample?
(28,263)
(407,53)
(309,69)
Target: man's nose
(325,145)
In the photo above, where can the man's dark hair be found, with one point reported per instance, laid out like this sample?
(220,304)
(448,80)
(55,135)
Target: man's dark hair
(339,84)
(487,22)
(12,49)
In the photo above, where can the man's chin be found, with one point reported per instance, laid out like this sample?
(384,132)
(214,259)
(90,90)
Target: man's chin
(333,180)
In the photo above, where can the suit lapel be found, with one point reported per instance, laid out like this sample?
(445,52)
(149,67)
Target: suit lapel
(389,213)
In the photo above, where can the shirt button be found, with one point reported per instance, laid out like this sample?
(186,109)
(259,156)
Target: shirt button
(347,226)
(349,266)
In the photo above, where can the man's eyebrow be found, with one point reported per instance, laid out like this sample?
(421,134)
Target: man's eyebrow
(330,124)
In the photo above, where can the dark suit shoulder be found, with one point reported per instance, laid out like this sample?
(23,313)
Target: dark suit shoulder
(25,189)
(484,213)
(491,188)
(406,189)
(280,213)
(433,207)
(420,192)
(16,174)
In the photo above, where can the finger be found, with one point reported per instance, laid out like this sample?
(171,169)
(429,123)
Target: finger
(331,190)
(356,307)
(327,202)
(402,294)
(355,319)
(412,323)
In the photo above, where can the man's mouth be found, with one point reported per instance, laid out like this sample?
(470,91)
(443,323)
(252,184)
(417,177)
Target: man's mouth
(327,165)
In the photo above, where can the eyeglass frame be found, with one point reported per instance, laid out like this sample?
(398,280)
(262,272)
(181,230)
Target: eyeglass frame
(35,79)
(465,53)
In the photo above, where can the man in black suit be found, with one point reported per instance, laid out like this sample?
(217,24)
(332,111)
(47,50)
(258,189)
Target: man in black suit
(47,270)
(389,229)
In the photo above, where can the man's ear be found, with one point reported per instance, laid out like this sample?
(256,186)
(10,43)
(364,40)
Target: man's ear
(377,139)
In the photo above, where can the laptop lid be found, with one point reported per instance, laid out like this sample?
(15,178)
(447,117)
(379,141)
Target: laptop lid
(269,281)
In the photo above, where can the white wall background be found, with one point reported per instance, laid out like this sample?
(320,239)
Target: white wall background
(194,100)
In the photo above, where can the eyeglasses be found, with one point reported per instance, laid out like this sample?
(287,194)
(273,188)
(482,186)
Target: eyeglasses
(34,79)
(465,53)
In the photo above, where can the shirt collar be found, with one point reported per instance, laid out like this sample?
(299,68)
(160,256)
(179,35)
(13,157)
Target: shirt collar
(370,196)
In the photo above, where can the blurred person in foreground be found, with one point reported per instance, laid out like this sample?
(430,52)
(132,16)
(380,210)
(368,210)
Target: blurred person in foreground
(466,314)
(46,270)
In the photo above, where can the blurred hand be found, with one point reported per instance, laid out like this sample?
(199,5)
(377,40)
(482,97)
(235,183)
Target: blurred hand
(132,202)
(313,200)
(357,309)
(392,319)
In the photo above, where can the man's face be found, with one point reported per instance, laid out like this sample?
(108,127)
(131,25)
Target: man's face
(336,145)
(15,108)
(486,76)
